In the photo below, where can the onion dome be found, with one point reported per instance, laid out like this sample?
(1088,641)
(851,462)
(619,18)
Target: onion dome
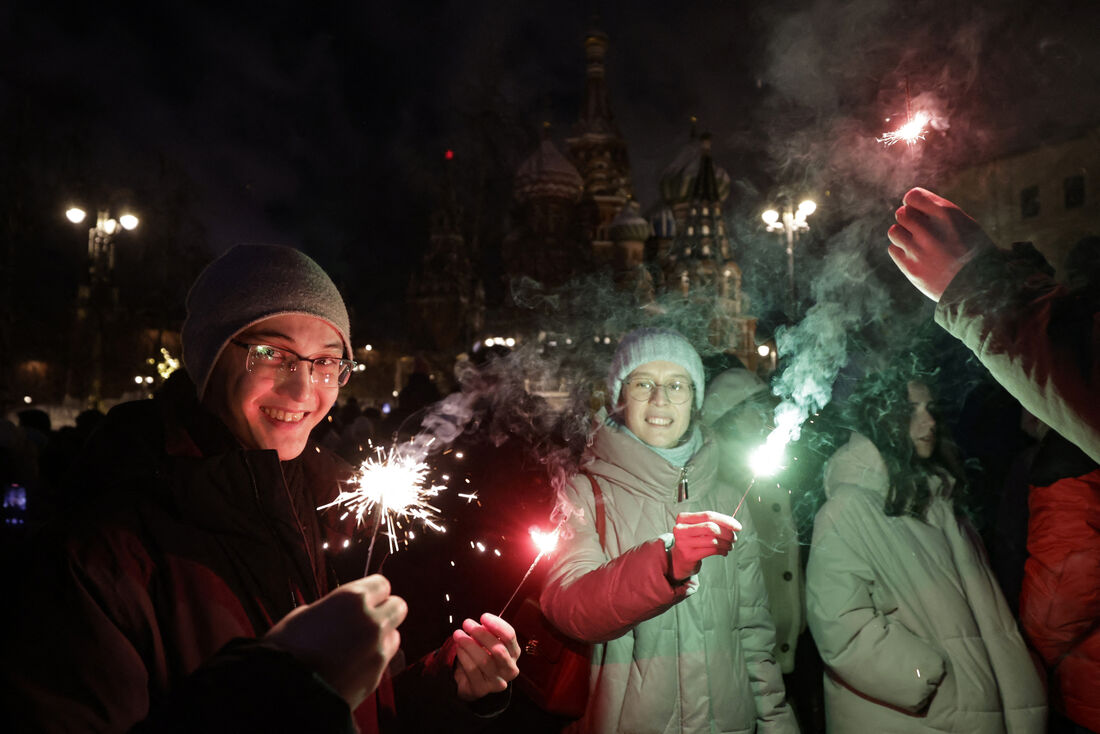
(678,180)
(663,222)
(629,225)
(548,174)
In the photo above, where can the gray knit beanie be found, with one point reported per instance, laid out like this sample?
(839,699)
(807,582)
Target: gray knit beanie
(650,345)
(246,285)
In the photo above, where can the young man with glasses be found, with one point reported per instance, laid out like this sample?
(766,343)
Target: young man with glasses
(191,590)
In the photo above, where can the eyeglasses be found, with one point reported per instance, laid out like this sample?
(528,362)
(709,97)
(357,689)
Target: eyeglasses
(641,389)
(323,371)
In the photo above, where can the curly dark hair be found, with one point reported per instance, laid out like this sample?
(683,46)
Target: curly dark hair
(880,410)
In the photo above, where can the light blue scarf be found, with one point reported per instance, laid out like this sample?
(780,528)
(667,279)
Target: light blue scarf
(680,454)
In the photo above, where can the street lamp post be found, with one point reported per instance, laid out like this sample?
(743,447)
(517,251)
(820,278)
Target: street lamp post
(790,223)
(98,292)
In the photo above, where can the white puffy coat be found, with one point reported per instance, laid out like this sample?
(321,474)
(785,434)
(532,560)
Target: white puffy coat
(695,658)
(914,631)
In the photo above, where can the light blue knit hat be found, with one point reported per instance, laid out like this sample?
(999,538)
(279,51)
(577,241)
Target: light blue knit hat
(651,345)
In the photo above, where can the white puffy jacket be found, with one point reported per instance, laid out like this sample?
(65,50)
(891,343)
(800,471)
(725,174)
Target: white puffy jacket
(695,658)
(914,631)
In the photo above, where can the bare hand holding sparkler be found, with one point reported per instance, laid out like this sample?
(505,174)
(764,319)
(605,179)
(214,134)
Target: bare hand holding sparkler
(932,240)
(348,636)
(486,654)
(699,535)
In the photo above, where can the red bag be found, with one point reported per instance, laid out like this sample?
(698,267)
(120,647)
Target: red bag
(554,669)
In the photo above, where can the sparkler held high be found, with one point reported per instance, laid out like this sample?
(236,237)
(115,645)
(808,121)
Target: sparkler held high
(392,489)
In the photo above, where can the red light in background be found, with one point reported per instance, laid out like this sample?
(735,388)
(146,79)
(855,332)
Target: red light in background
(449,155)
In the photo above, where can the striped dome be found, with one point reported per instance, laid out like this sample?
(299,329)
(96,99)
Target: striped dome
(629,225)
(547,173)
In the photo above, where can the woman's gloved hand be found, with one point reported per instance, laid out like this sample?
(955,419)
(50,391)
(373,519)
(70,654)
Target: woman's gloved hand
(698,535)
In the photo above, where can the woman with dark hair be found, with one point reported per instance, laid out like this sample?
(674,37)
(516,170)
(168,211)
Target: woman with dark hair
(914,631)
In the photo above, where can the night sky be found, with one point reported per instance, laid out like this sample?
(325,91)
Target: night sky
(324,124)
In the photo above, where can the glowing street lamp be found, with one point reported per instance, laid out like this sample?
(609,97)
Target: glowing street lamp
(790,223)
(101,265)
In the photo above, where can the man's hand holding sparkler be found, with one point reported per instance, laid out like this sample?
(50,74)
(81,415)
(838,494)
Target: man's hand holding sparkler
(348,637)
(699,535)
(486,654)
(932,240)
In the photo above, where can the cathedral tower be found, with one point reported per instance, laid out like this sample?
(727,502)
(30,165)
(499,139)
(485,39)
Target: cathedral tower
(446,298)
(598,150)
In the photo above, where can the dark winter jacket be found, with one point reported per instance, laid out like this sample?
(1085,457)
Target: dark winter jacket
(144,612)
(1039,340)
(1060,599)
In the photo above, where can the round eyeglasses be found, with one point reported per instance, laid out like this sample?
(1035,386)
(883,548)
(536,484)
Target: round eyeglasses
(323,371)
(641,389)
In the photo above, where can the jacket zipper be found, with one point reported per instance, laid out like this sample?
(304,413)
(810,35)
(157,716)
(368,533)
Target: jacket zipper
(267,524)
(682,485)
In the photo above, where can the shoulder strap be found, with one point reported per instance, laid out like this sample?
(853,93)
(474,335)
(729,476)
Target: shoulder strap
(601,516)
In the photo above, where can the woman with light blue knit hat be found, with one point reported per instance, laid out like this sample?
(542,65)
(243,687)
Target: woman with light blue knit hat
(668,590)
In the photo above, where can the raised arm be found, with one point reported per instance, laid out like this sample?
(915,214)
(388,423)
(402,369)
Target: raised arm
(1041,342)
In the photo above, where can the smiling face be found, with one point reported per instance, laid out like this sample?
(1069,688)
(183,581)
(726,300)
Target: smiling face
(922,426)
(263,409)
(658,422)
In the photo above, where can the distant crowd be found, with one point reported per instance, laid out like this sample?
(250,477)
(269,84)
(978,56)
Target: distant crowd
(925,559)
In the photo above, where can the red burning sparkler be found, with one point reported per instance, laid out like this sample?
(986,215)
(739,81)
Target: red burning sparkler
(546,543)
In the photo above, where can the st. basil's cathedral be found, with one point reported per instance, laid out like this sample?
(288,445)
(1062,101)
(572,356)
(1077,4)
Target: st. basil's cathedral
(573,213)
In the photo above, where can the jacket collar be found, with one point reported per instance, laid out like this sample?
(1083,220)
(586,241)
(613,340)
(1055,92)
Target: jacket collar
(631,464)
(858,463)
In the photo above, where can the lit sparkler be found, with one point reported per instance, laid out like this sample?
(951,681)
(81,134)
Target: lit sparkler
(770,457)
(546,543)
(392,489)
(909,133)
(912,130)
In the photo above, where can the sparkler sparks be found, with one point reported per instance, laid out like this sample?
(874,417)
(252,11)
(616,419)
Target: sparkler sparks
(770,458)
(913,129)
(546,543)
(909,133)
(392,489)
